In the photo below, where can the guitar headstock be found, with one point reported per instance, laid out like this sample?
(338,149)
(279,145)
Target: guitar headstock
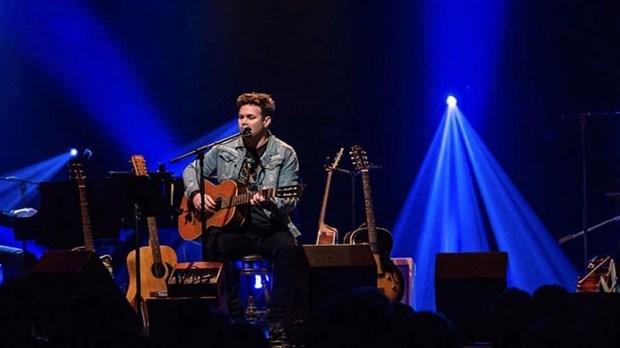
(359,157)
(336,160)
(293,191)
(76,170)
(139,165)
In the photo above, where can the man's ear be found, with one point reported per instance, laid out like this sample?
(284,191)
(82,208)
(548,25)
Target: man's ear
(267,121)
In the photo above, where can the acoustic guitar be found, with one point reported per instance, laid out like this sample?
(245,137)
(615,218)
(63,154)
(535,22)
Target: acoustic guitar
(328,234)
(156,261)
(77,173)
(232,200)
(390,279)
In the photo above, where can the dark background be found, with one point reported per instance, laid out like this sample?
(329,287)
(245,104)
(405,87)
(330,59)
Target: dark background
(342,72)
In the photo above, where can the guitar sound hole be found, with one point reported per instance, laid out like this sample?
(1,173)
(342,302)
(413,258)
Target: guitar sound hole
(158,270)
(218,204)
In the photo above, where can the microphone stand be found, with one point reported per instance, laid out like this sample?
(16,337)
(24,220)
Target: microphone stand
(583,116)
(584,211)
(575,235)
(200,156)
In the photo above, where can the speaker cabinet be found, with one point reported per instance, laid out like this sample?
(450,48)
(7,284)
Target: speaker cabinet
(465,286)
(171,319)
(75,301)
(326,272)
(336,269)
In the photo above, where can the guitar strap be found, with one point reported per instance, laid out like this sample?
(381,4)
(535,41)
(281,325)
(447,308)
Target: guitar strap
(248,176)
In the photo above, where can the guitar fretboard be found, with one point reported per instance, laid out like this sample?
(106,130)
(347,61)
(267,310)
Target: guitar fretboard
(88,234)
(370,212)
(245,198)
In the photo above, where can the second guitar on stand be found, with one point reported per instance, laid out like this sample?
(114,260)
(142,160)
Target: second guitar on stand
(389,277)
(156,261)
(327,234)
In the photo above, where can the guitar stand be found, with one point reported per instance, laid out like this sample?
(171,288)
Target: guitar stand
(353,173)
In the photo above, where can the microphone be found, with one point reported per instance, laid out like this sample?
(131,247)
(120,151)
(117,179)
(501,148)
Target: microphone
(246,131)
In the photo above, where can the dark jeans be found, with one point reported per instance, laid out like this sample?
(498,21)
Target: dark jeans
(279,247)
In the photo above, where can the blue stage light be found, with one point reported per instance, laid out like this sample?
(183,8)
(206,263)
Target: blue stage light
(463,201)
(451,101)
(73,152)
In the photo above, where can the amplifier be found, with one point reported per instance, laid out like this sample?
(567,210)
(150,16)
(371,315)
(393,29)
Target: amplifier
(196,279)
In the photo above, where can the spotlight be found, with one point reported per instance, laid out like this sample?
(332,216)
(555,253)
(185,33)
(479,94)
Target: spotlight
(73,152)
(451,101)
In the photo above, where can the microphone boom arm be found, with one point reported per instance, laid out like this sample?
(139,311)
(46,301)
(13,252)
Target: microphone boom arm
(575,235)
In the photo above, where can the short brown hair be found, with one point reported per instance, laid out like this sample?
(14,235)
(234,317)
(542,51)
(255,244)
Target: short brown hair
(262,100)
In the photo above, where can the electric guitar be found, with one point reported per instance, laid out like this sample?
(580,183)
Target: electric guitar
(328,234)
(77,174)
(232,200)
(389,278)
(156,261)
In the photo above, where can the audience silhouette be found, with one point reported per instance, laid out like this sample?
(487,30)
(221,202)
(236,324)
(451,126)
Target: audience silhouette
(365,318)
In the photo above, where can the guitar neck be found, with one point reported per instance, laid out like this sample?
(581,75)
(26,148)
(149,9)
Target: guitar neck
(325,199)
(370,214)
(154,239)
(370,221)
(86,226)
(244,198)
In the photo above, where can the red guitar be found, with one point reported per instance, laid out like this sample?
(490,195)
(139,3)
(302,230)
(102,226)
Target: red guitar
(232,201)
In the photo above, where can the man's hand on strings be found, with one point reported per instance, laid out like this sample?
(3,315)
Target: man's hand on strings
(258,199)
(210,205)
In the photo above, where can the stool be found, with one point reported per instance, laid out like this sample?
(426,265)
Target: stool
(256,303)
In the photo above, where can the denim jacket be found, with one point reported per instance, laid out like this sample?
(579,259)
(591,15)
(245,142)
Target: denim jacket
(279,168)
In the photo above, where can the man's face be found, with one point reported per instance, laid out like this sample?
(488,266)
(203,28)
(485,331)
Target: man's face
(250,116)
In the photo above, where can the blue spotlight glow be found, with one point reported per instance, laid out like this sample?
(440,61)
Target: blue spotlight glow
(451,101)
(10,194)
(73,152)
(83,57)
(458,185)
(20,191)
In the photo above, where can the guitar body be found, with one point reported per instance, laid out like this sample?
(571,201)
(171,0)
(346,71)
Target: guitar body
(231,216)
(327,235)
(232,202)
(190,224)
(391,280)
(153,275)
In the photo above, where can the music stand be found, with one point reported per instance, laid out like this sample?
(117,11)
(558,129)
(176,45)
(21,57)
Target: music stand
(143,197)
